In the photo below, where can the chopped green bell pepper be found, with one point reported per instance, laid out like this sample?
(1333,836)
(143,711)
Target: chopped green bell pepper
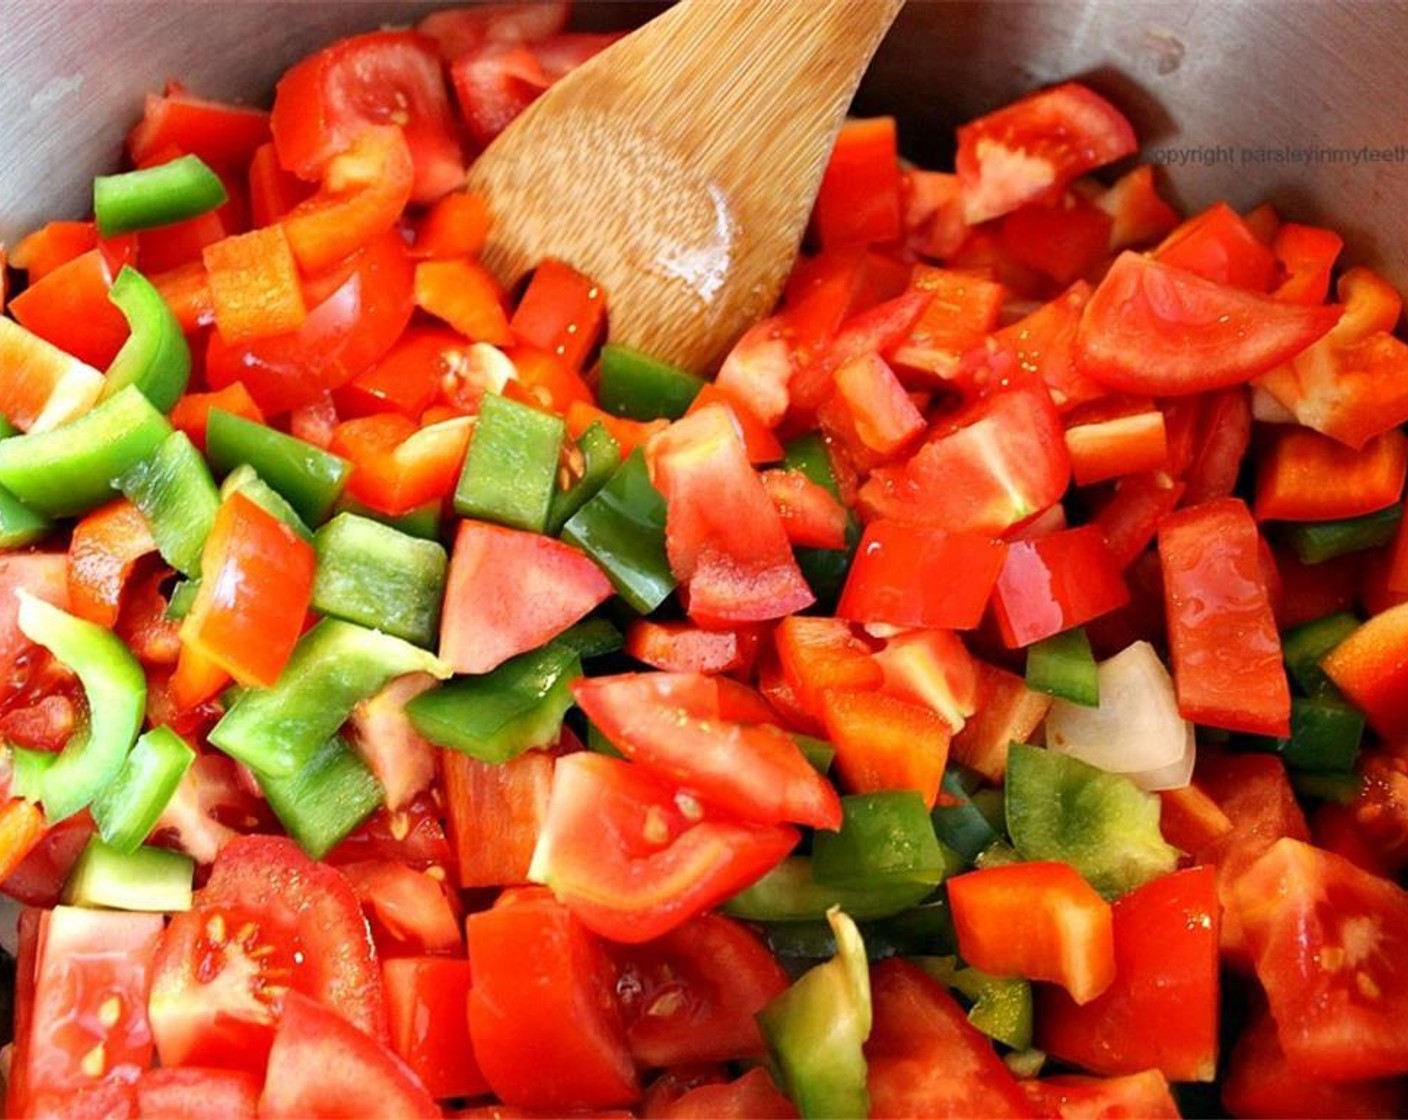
(1305,645)
(927,928)
(639,387)
(28,770)
(151,880)
(325,799)
(156,196)
(310,478)
(1102,824)
(601,455)
(334,667)
(116,689)
(818,752)
(127,809)
(19,525)
(817,1029)
(422,522)
(1063,666)
(510,473)
(1325,735)
(176,494)
(1316,542)
(1339,786)
(592,637)
(823,568)
(499,715)
(960,823)
(790,893)
(155,357)
(884,839)
(1000,1007)
(370,574)
(182,599)
(71,469)
(623,529)
(245,480)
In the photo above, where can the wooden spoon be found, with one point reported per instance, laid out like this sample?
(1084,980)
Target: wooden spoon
(678,167)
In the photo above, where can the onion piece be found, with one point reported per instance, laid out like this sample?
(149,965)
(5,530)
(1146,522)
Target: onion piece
(1136,731)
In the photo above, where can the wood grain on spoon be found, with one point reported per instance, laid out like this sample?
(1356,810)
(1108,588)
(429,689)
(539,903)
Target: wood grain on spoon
(678,167)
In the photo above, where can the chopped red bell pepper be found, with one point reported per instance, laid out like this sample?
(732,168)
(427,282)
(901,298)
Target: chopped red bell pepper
(1304,476)
(464,295)
(1065,240)
(254,285)
(810,515)
(1219,246)
(1106,448)
(223,136)
(1054,583)
(884,743)
(71,309)
(758,441)
(562,312)
(682,647)
(885,418)
(495,813)
(102,554)
(1307,256)
(456,226)
(1371,668)
(858,202)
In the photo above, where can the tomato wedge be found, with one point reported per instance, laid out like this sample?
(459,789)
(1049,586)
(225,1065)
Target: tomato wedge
(269,922)
(634,857)
(671,724)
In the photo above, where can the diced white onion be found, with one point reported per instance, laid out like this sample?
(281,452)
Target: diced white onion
(1136,731)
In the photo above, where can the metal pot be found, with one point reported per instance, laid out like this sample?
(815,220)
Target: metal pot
(1297,101)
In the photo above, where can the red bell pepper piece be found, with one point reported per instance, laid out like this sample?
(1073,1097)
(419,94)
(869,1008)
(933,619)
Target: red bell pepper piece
(1190,820)
(903,575)
(409,378)
(256,582)
(223,136)
(724,538)
(187,292)
(933,213)
(456,226)
(22,826)
(43,386)
(1371,668)
(1219,246)
(1143,1094)
(825,290)
(1226,653)
(1040,920)
(1123,445)
(1304,476)
(396,467)
(884,743)
(254,285)
(1005,711)
(1221,439)
(628,434)
(495,814)
(561,312)
(816,654)
(192,412)
(71,309)
(1043,343)
(885,418)
(758,441)
(1130,519)
(102,554)
(1307,256)
(876,330)
(1140,215)
(1054,583)
(466,296)
(1064,240)
(509,591)
(273,192)
(858,202)
(55,244)
(810,515)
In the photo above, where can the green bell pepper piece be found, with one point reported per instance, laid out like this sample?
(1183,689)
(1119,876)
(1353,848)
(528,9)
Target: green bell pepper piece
(927,928)
(1000,1007)
(422,522)
(884,839)
(592,637)
(1316,542)
(510,473)
(639,387)
(961,824)
(155,357)
(1339,786)
(182,599)
(334,667)
(623,529)
(499,715)
(817,1029)
(818,752)
(176,494)
(28,770)
(1305,646)
(370,574)
(71,469)
(156,196)
(823,568)
(790,893)
(127,809)
(245,480)
(310,478)
(19,525)
(116,689)
(325,799)
(1063,666)
(1102,824)
(152,880)
(1325,735)
(601,455)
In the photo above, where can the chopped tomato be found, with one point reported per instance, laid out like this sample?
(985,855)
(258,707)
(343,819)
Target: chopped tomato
(1065,240)
(1005,711)
(39,879)
(1226,653)
(1226,433)
(1040,920)
(884,417)
(409,377)
(1219,246)
(197,1094)
(509,591)
(682,647)
(561,313)
(751,1097)
(543,988)
(1330,946)
(1140,214)
(408,910)
(933,668)
(1065,1096)
(322,1065)
(671,724)
(692,995)
(924,1058)
(224,136)
(269,923)
(382,734)
(397,467)
(43,386)
(858,202)
(1156,330)
(457,31)
(1307,256)
(428,1001)
(1161,1012)
(496,814)
(323,105)
(633,857)
(1043,344)
(1029,150)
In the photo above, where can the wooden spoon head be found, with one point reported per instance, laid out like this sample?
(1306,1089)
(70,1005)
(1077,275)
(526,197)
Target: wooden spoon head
(678,168)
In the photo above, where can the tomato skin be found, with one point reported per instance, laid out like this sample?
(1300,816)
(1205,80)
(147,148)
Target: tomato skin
(1028,151)
(1226,653)
(925,1058)
(1155,330)
(1330,946)
(211,1002)
(671,724)
(1066,1097)
(634,857)
(428,999)
(320,1065)
(691,995)
(1219,246)
(197,1094)
(543,986)
(1161,1012)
